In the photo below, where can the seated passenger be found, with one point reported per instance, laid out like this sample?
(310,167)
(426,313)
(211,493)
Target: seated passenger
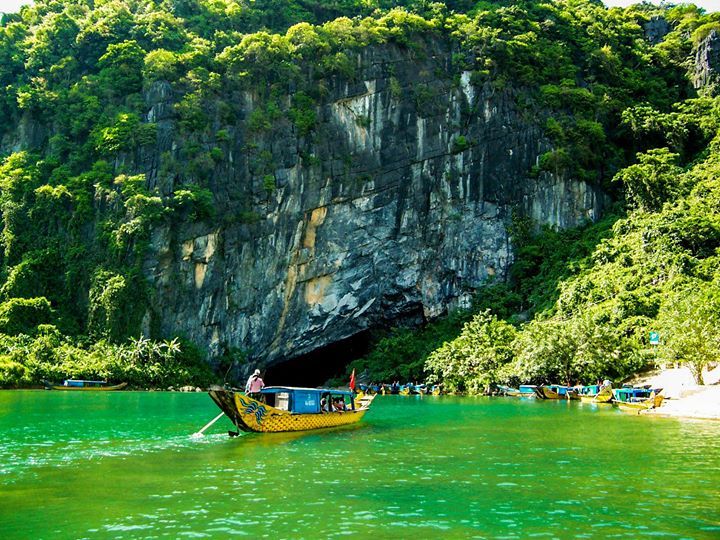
(327,404)
(339,404)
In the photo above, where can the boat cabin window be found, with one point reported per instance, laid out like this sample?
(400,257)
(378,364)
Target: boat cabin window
(336,402)
(282,401)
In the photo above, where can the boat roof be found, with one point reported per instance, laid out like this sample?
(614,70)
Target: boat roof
(278,389)
(633,391)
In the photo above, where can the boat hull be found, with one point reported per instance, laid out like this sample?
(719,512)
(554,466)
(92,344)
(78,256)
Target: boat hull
(604,396)
(88,388)
(543,392)
(653,402)
(249,414)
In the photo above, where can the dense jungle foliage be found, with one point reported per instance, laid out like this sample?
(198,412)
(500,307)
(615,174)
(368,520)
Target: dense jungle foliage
(77,205)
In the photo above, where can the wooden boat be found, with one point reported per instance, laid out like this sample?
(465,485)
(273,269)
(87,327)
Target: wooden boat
(84,386)
(552,391)
(508,391)
(389,389)
(573,394)
(595,394)
(637,399)
(285,408)
(412,389)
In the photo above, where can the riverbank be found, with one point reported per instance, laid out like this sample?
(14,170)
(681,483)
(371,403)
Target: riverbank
(685,399)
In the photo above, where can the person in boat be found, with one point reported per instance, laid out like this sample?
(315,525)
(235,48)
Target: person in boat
(254,385)
(339,405)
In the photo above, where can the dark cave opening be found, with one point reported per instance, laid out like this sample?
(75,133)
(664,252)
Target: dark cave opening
(317,367)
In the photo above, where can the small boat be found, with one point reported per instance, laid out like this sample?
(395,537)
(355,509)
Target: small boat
(508,391)
(637,399)
(389,389)
(595,393)
(573,393)
(412,389)
(82,385)
(551,391)
(286,408)
(369,388)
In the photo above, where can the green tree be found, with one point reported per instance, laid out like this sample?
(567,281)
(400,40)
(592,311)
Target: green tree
(121,68)
(655,179)
(472,361)
(690,325)
(24,315)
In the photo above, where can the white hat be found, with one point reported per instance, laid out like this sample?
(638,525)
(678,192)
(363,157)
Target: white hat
(257,372)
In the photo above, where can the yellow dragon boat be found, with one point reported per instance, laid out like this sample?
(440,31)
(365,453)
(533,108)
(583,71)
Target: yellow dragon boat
(285,408)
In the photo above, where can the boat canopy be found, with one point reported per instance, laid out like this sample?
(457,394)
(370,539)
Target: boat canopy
(333,391)
(631,394)
(589,390)
(305,400)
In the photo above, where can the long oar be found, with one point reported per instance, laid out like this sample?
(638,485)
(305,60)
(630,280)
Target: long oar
(210,423)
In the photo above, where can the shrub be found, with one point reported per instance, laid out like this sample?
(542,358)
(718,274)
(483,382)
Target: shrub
(23,315)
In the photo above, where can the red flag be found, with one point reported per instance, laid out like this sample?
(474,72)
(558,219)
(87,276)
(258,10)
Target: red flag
(352,381)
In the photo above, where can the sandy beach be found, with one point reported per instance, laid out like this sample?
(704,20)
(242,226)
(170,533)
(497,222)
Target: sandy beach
(684,398)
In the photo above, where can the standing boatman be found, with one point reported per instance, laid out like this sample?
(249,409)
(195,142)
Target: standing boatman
(254,385)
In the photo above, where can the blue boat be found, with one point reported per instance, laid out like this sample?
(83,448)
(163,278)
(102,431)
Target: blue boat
(525,390)
(637,399)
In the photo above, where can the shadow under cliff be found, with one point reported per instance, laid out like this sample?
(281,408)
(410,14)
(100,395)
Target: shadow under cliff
(315,368)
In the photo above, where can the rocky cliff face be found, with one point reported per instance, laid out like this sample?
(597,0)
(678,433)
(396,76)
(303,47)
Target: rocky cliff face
(706,73)
(395,209)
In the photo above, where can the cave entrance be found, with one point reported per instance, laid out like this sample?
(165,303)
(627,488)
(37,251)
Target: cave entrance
(317,367)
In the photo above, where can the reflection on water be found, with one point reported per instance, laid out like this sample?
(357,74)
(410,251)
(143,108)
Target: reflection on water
(124,465)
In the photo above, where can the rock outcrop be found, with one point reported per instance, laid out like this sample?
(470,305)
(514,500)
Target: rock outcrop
(706,74)
(393,210)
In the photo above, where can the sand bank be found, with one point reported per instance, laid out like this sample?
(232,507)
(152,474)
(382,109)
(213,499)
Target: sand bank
(684,398)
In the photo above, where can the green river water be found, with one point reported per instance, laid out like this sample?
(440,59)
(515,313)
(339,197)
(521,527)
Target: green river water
(123,465)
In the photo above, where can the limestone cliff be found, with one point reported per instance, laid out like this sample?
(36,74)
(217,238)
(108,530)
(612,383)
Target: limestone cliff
(396,209)
(707,61)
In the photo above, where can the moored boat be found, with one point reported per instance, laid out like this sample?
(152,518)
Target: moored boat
(412,389)
(523,391)
(508,391)
(83,385)
(595,393)
(637,399)
(285,408)
(551,391)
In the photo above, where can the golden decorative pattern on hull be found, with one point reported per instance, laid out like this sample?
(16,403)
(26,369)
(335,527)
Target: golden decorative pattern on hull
(260,417)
